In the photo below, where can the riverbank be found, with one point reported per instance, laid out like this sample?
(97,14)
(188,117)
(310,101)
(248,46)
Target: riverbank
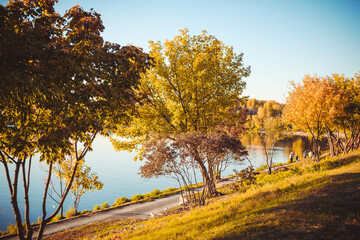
(310,200)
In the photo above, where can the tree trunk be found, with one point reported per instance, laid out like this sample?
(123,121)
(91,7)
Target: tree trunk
(14,203)
(26,183)
(331,143)
(209,184)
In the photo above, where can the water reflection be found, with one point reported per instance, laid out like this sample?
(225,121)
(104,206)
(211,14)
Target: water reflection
(295,144)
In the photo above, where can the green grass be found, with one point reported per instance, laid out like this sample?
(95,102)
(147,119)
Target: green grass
(310,201)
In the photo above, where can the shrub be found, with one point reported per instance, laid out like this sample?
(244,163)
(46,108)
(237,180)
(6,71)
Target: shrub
(104,205)
(136,197)
(70,212)
(12,229)
(155,192)
(120,201)
(55,219)
(170,190)
(146,196)
(85,212)
(96,207)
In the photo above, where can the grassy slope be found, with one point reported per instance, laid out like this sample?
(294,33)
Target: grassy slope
(313,201)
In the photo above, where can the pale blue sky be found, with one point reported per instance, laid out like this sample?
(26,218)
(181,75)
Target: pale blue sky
(282,40)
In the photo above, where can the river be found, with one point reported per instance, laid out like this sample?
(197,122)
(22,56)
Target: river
(119,173)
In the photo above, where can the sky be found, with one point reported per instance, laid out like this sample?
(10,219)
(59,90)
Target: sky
(281,40)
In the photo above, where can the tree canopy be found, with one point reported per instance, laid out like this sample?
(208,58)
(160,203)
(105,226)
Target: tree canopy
(265,122)
(60,82)
(194,85)
(195,80)
(313,105)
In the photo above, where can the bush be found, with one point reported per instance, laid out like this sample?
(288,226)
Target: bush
(85,212)
(170,190)
(12,229)
(70,212)
(120,201)
(136,197)
(155,192)
(55,219)
(96,207)
(104,205)
(146,196)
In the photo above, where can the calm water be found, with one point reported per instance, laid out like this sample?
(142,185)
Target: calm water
(119,173)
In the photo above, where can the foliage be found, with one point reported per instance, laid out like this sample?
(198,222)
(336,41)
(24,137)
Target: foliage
(180,159)
(313,106)
(97,207)
(268,126)
(55,219)
(71,212)
(170,190)
(84,179)
(120,201)
(136,197)
(13,229)
(246,177)
(192,87)
(349,123)
(155,192)
(59,83)
(104,205)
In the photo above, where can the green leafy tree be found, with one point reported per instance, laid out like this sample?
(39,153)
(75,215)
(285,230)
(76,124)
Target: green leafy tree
(192,85)
(60,83)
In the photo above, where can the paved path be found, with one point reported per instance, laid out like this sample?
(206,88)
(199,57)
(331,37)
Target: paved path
(138,210)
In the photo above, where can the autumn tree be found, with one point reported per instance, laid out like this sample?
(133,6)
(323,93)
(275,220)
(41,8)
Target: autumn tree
(313,105)
(193,83)
(268,126)
(84,179)
(177,158)
(60,83)
(344,133)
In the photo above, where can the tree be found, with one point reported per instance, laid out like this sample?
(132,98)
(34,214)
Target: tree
(269,127)
(193,83)
(349,122)
(60,84)
(313,106)
(84,179)
(177,158)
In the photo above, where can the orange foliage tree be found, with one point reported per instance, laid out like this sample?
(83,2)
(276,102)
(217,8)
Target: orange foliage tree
(313,105)
(349,123)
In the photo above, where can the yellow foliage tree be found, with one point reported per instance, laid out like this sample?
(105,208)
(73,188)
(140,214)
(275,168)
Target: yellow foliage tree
(268,126)
(194,82)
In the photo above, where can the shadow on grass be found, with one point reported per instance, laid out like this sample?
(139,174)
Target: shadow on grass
(331,211)
(328,165)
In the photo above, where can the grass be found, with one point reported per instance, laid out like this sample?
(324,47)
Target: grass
(309,201)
